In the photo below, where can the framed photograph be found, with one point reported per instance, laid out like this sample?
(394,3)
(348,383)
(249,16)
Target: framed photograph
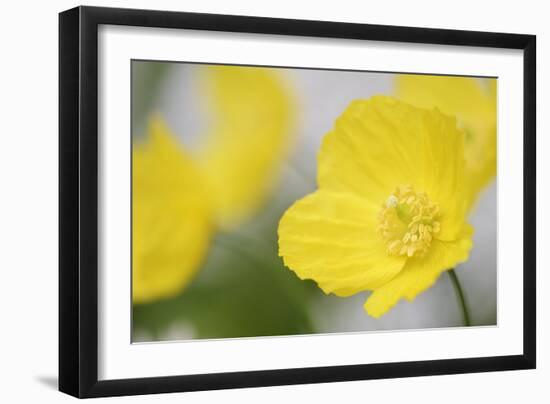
(251,201)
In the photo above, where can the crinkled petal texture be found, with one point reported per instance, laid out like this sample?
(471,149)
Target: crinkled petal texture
(330,237)
(381,143)
(171,218)
(249,139)
(420,274)
(377,145)
(473,102)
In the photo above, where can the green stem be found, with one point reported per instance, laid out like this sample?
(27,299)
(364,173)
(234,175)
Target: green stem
(460,297)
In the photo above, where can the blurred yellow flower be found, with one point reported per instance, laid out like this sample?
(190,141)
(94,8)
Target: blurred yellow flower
(388,215)
(473,102)
(171,217)
(180,199)
(249,138)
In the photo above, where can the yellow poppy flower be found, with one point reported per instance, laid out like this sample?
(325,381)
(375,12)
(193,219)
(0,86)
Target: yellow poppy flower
(388,215)
(180,199)
(249,138)
(171,217)
(473,102)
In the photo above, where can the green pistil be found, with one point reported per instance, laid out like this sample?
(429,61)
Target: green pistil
(403,211)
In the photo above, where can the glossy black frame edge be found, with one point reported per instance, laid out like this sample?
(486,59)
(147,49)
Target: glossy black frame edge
(78,206)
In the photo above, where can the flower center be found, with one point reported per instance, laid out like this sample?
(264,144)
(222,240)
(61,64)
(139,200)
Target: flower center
(407,222)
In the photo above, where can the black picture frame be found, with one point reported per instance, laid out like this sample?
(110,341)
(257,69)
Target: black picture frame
(78,200)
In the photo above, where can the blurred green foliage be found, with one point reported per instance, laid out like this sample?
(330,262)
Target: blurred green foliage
(146,82)
(241,291)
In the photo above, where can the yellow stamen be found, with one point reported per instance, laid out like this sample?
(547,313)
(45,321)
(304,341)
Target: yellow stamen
(408,221)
